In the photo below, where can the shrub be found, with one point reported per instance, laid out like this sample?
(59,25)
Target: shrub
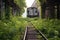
(12,29)
(51,28)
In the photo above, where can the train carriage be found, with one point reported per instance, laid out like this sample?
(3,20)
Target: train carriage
(32,12)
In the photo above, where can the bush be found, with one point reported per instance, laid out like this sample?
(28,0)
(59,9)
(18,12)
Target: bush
(12,29)
(51,28)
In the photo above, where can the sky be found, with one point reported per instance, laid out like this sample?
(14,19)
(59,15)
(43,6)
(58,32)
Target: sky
(28,3)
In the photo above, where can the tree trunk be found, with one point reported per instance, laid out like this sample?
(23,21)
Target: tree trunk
(0,9)
(58,11)
(52,12)
(7,11)
(43,12)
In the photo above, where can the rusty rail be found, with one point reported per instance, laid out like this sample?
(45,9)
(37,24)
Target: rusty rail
(43,36)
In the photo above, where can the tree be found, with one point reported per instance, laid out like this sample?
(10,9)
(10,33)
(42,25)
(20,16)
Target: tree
(9,6)
(42,4)
(7,10)
(0,9)
(21,4)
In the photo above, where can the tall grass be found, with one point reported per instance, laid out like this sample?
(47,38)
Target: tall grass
(12,29)
(51,28)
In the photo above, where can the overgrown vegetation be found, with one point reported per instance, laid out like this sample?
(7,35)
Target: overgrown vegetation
(11,8)
(12,29)
(11,26)
(21,4)
(50,28)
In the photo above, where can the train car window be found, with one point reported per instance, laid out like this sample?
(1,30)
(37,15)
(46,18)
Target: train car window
(31,12)
(35,11)
(28,12)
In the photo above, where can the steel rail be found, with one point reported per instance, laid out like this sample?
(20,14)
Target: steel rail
(43,36)
(25,34)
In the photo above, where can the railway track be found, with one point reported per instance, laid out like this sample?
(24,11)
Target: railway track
(31,33)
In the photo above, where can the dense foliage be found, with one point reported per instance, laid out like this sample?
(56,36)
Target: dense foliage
(12,29)
(21,4)
(11,7)
(11,26)
(50,28)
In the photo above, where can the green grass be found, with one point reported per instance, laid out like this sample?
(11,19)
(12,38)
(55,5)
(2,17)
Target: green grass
(51,28)
(12,29)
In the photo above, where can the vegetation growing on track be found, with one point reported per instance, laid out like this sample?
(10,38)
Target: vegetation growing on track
(51,28)
(13,28)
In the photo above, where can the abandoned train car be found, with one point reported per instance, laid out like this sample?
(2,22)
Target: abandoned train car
(32,12)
